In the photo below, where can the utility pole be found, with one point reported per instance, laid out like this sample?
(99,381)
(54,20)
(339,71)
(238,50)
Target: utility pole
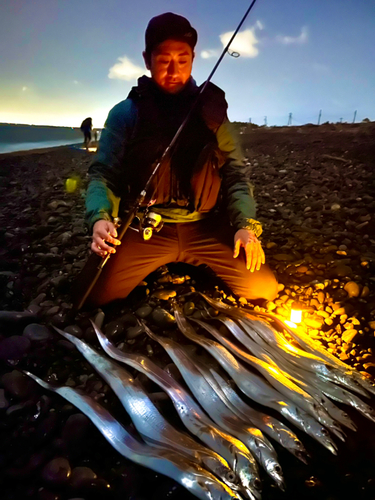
(265,121)
(320,115)
(290,119)
(355,114)
(340,120)
(249,120)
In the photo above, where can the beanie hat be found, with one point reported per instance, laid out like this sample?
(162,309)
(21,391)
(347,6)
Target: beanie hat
(169,26)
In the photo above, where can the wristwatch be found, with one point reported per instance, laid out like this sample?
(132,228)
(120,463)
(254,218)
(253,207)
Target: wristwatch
(254,226)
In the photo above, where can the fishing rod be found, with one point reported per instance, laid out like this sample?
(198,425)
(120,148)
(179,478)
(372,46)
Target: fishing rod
(95,263)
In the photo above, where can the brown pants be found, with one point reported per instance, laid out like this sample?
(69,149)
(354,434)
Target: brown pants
(209,241)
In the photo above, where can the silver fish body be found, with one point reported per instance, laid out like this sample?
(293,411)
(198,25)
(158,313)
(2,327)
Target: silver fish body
(205,395)
(313,404)
(257,389)
(190,475)
(190,413)
(328,366)
(253,437)
(149,422)
(269,425)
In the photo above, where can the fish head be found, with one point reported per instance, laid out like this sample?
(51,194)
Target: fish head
(207,487)
(321,434)
(274,469)
(290,441)
(222,470)
(246,469)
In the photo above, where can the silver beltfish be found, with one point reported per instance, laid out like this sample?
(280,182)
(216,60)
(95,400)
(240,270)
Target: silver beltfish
(269,425)
(329,367)
(190,475)
(147,419)
(258,389)
(190,413)
(316,404)
(212,402)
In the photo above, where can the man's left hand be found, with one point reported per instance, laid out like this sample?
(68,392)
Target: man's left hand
(253,249)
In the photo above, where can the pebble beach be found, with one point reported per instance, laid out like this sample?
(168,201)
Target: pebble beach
(315,192)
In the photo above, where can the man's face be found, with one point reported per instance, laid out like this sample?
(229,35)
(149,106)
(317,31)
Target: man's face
(170,64)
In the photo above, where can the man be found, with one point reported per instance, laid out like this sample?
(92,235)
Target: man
(201,191)
(86,127)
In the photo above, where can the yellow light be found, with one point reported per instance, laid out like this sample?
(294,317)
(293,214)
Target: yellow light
(71,185)
(290,324)
(296,316)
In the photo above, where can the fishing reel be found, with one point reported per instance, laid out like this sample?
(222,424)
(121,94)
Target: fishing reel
(149,223)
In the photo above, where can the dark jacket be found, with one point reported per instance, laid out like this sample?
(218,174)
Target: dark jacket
(206,159)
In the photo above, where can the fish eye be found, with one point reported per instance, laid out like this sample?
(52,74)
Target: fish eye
(231,476)
(257,484)
(277,468)
(324,431)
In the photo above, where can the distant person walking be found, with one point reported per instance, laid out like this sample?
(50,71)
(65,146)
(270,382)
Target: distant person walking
(86,127)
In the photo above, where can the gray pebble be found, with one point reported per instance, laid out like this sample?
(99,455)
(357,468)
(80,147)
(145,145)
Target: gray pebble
(13,348)
(35,332)
(162,318)
(143,311)
(57,471)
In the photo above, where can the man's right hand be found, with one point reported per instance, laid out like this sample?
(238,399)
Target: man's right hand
(104,232)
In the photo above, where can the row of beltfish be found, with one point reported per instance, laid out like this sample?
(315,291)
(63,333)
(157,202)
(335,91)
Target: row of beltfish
(248,350)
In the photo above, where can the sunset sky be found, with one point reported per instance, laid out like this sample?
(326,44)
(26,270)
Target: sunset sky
(64,60)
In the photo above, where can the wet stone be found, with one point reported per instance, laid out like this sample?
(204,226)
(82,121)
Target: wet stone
(114,329)
(16,317)
(74,330)
(352,289)
(144,311)
(36,333)
(189,308)
(164,294)
(81,477)
(75,429)
(13,348)
(17,384)
(57,471)
(162,318)
(133,331)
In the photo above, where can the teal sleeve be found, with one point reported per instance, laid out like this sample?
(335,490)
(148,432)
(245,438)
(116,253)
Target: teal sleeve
(105,169)
(237,189)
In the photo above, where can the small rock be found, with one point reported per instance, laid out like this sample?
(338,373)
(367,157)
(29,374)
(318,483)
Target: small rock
(143,311)
(133,331)
(81,476)
(13,348)
(17,384)
(164,294)
(36,333)
(189,308)
(349,335)
(162,318)
(16,318)
(74,330)
(57,471)
(352,288)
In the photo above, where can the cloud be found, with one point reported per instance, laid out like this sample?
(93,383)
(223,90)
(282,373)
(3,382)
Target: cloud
(125,70)
(76,82)
(244,43)
(207,54)
(298,40)
(24,89)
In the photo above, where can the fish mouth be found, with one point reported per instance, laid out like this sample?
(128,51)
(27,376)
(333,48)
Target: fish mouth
(303,456)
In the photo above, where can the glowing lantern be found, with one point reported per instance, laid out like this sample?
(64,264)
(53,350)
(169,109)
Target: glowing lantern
(296,316)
